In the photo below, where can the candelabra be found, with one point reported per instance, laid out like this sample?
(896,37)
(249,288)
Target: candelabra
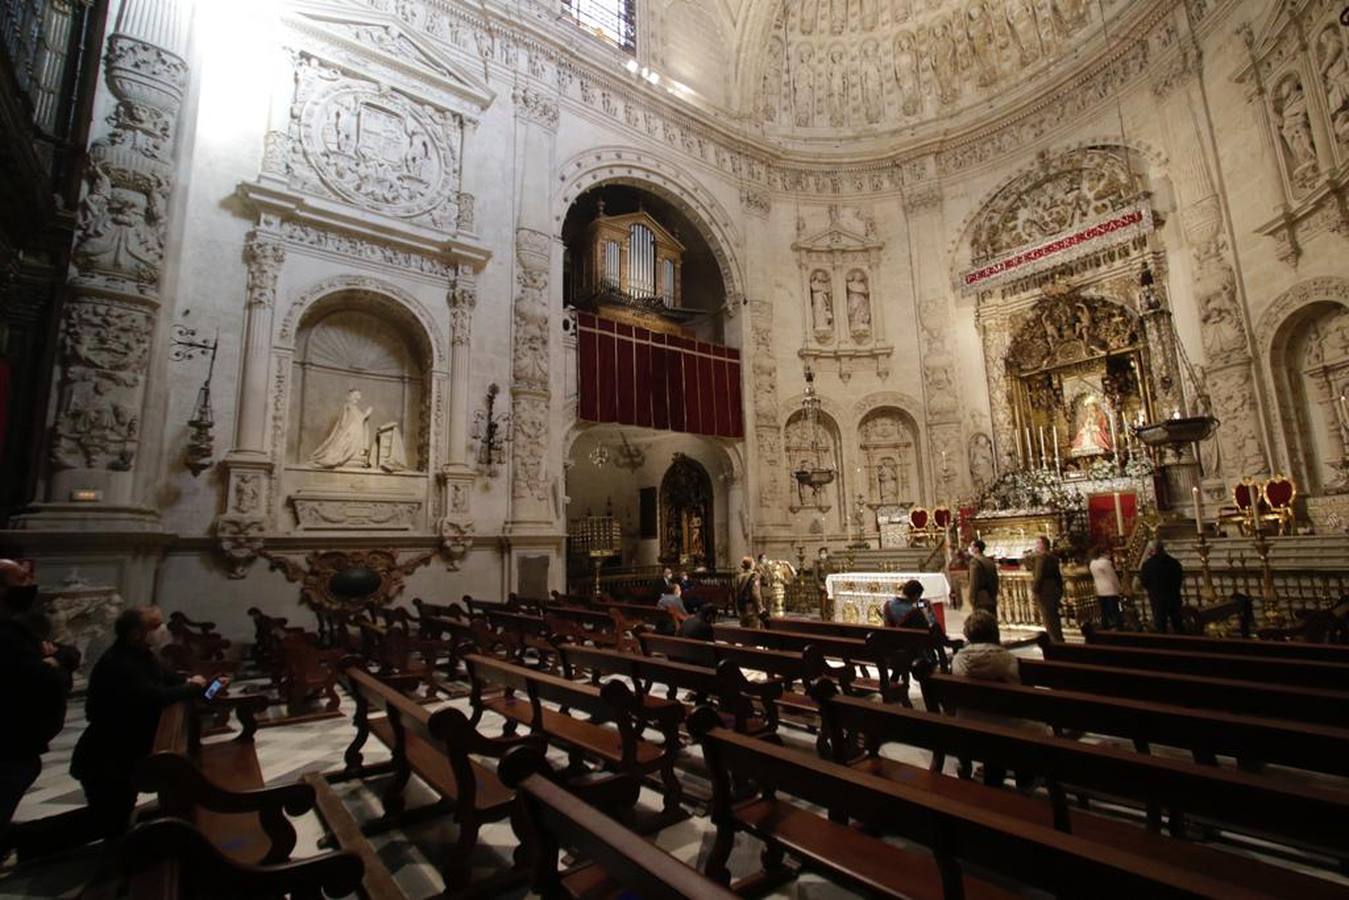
(201,442)
(491,431)
(1207,594)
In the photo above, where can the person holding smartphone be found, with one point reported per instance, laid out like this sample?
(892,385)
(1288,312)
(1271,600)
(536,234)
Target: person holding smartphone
(128,689)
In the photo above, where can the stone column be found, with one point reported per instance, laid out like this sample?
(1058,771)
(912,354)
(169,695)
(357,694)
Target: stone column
(531,363)
(264,257)
(1229,374)
(457,476)
(761,382)
(112,314)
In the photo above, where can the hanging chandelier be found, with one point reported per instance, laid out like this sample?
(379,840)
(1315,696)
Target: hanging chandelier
(818,475)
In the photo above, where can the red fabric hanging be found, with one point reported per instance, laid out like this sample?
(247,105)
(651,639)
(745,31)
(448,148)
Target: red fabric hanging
(633,376)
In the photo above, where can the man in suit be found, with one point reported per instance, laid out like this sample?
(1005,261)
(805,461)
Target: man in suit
(983,579)
(1047,587)
(1162,577)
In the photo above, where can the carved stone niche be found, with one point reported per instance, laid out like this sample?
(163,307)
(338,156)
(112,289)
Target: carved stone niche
(1297,77)
(837,266)
(359,425)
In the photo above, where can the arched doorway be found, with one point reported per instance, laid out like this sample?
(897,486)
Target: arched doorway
(1309,359)
(686,515)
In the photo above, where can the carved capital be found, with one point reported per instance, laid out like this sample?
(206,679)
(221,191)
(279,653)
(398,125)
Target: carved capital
(264,258)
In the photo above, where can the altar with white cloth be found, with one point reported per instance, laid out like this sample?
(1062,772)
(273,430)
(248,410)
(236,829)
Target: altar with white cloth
(858,597)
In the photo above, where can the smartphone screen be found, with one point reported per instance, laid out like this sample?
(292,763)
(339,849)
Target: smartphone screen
(213,688)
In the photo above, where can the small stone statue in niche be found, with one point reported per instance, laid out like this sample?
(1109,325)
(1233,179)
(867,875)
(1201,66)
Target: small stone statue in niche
(348,444)
(859,304)
(821,301)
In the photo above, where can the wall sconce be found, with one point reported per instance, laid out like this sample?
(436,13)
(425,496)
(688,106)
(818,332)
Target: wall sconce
(491,431)
(201,440)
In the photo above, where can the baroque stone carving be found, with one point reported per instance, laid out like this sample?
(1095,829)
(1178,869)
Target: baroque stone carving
(532,104)
(1068,327)
(318,568)
(104,353)
(943,55)
(530,368)
(369,145)
(264,259)
(355,511)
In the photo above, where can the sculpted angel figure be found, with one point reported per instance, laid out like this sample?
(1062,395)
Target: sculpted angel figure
(349,441)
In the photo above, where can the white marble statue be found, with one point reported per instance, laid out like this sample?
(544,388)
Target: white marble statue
(348,443)
(821,301)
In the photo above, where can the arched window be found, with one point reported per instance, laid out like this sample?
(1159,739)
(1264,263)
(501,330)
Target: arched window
(641,261)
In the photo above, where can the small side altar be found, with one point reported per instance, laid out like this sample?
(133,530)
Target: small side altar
(858,597)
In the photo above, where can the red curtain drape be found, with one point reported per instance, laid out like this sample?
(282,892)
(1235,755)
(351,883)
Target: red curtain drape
(635,376)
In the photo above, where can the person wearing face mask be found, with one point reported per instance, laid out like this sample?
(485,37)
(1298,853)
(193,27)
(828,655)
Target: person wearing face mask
(33,688)
(127,690)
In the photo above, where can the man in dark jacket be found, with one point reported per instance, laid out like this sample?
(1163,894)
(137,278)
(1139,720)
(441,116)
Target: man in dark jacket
(1046,587)
(1162,577)
(749,595)
(33,688)
(983,579)
(127,690)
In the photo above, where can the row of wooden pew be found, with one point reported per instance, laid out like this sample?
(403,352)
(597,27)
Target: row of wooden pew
(834,811)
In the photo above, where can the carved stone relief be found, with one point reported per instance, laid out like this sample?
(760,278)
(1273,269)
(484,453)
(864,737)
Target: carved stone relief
(869,63)
(370,145)
(530,367)
(837,266)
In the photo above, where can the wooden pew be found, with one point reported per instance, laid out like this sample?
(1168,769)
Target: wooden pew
(736,696)
(1326,675)
(916,640)
(200,637)
(891,659)
(395,651)
(377,882)
(958,834)
(218,786)
(440,610)
(1294,814)
(529,634)
(1299,704)
(620,862)
(1186,643)
(171,859)
(796,670)
(620,748)
(436,746)
(1207,734)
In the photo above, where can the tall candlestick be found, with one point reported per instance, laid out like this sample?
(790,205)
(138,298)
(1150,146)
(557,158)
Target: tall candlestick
(1043,462)
(1030,449)
(1198,511)
(1057,464)
(1119,517)
(1114,437)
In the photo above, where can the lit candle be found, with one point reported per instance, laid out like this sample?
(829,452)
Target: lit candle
(1042,446)
(1030,449)
(1198,511)
(1119,517)
(1056,447)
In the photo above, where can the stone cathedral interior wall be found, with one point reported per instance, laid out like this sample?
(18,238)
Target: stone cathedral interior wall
(413,161)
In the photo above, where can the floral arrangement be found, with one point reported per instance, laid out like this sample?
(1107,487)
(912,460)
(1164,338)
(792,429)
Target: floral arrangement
(1033,490)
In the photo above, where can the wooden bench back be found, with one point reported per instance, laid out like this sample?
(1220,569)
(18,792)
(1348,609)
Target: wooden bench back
(1307,673)
(1300,704)
(1252,803)
(1206,733)
(956,832)
(613,701)
(1185,643)
(802,665)
(600,620)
